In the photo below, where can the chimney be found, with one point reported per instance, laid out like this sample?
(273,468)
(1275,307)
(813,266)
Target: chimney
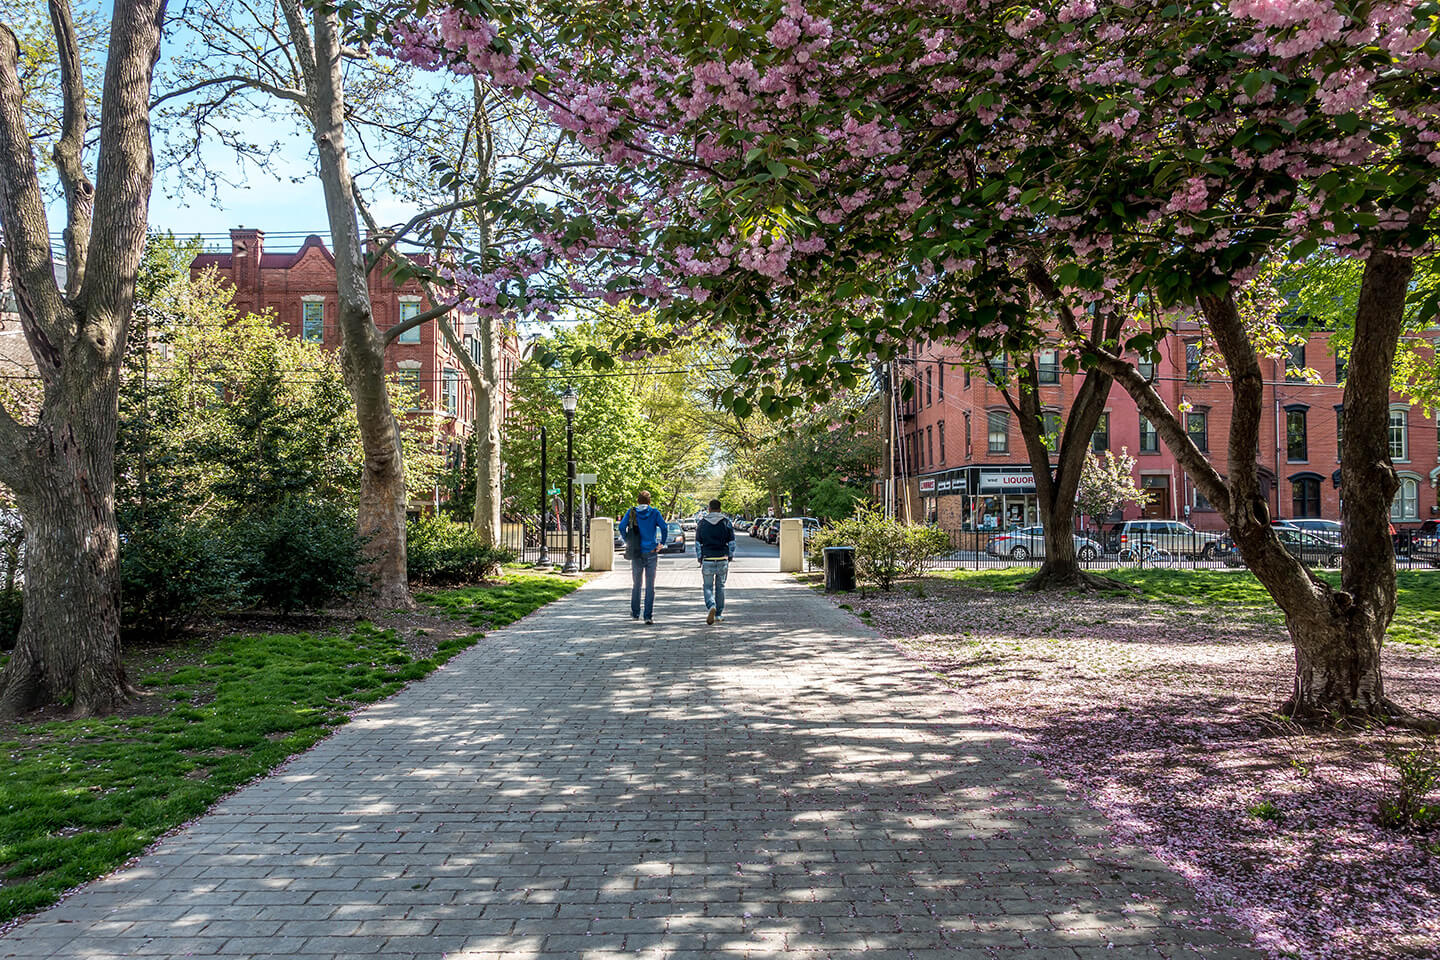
(246,246)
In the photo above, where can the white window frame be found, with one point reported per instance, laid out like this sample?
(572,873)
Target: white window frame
(1403,508)
(450,391)
(992,418)
(306,302)
(1404,410)
(409,307)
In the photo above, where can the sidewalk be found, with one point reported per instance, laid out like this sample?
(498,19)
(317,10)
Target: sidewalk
(580,785)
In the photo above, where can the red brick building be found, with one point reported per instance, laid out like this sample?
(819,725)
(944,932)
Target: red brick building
(964,464)
(299,288)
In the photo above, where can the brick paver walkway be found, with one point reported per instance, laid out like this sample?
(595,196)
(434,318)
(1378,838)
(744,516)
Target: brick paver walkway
(582,786)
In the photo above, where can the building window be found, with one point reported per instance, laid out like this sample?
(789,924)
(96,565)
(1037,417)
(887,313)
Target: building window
(1406,505)
(1197,425)
(1100,439)
(1297,449)
(940,389)
(312,323)
(450,390)
(409,309)
(1339,431)
(1399,434)
(930,445)
(1050,427)
(997,369)
(1049,366)
(1295,364)
(1149,439)
(967,378)
(1192,361)
(1147,363)
(1342,365)
(940,427)
(1305,497)
(999,423)
(968,448)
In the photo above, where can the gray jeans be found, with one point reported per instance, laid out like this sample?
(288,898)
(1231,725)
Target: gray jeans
(643,567)
(712,575)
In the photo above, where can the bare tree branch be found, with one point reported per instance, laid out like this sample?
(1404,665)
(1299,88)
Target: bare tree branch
(79,191)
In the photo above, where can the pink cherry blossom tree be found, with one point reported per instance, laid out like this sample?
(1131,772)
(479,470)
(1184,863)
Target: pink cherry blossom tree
(828,182)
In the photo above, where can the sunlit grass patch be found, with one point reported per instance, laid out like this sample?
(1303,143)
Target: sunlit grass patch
(78,798)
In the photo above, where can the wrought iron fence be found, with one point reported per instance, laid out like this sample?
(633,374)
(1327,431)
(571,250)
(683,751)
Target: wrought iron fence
(521,536)
(1157,549)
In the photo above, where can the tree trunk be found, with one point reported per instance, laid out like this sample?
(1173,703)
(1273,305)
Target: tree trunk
(1055,489)
(69,644)
(381,515)
(62,468)
(487,435)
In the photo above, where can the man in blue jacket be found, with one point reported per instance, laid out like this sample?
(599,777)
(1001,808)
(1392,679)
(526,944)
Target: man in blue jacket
(643,529)
(714,546)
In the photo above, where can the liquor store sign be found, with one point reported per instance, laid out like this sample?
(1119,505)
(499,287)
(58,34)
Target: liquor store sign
(994,481)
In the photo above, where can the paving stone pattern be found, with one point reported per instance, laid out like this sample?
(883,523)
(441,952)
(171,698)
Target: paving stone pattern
(580,785)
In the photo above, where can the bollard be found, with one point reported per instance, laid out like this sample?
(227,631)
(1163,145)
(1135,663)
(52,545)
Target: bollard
(602,543)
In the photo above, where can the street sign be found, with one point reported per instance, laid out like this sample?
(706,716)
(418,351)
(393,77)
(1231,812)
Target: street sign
(554,491)
(585,479)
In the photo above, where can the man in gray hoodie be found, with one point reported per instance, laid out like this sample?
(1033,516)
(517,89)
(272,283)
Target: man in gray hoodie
(714,547)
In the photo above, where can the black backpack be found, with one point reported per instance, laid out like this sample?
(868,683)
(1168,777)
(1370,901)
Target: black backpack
(632,537)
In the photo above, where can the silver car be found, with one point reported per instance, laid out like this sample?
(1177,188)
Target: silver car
(1027,542)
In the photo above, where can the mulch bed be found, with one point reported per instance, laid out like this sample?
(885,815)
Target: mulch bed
(1161,716)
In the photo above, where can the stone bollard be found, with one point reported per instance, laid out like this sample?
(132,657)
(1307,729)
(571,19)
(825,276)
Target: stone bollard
(792,545)
(602,543)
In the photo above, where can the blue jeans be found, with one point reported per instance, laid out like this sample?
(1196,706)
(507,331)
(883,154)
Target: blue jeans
(645,567)
(713,574)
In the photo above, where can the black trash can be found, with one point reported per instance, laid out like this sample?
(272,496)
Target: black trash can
(839,569)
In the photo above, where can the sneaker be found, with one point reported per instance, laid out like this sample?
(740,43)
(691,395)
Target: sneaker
(649,619)
(710,617)
(719,619)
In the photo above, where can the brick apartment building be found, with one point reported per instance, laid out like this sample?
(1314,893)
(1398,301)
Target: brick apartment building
(963,463)
(299,288)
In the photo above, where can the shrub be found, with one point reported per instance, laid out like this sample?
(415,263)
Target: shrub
(172,573)
(886,550)
(301,556)
(1417,776)
(442,552)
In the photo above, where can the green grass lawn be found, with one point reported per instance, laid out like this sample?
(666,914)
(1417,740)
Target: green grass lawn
(1417,614)
(78,798)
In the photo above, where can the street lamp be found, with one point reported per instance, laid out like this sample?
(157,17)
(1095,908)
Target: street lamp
(569,402)
(543,560)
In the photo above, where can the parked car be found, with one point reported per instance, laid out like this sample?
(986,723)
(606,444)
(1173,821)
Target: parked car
(743,526)
(757,529)
(675,538)
(1324,529)
(1173,537)
(1425,543)
(1310,549)
(1027,542)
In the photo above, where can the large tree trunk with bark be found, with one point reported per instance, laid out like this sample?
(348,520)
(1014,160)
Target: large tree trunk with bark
(487,435)
(1055,488)
(68,648)
(381,517)
(1337,634)
(62,467)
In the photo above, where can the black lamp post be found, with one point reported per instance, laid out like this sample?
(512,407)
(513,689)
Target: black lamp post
(569,402)
(544,559)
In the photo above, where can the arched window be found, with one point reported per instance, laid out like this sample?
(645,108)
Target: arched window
(1305,495)
(1406,505)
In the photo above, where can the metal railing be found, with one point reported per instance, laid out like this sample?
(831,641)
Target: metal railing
(1197,550)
